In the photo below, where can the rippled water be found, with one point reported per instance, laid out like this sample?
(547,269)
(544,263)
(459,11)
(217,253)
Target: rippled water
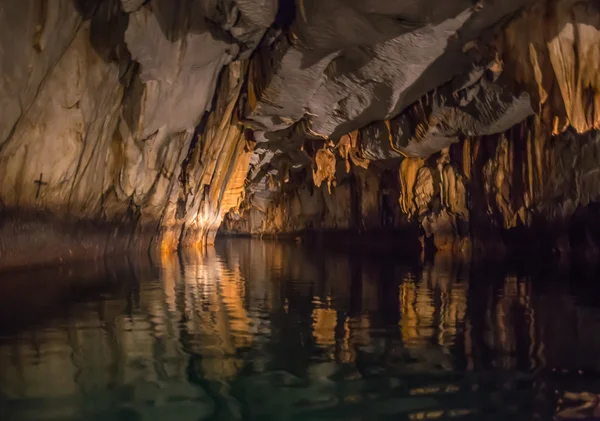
(253,330)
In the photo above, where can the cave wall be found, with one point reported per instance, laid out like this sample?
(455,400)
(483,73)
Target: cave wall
(113,108)
(491,193)
(129,124)
(502,156)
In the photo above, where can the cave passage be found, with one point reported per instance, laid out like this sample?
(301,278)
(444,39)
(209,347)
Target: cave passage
(463,127)
(297,210)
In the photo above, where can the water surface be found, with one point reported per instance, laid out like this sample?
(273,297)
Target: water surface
(253,330)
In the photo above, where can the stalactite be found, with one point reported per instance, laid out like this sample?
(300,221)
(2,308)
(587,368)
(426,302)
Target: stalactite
(553,49)
(325,168)
(409,169)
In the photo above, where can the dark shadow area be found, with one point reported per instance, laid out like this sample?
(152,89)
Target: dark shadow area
(108,23)
(286,13)
(36,296)
(31,238)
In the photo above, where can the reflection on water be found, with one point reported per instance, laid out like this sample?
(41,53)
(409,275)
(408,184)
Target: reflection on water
(258,330)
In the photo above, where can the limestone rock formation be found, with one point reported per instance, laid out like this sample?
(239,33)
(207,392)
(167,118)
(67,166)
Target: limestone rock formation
(109,115)
(130,123)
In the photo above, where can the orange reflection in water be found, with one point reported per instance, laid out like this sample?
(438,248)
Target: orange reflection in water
(213,315)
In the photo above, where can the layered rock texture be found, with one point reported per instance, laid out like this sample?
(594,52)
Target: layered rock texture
(127,116)
(134,123)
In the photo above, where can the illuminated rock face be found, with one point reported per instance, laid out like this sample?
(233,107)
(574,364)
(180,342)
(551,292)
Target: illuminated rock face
(131,123)
(499,156)
(489,193)
(115,110)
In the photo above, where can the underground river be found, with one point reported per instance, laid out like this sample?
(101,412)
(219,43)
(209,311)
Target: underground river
(265,330)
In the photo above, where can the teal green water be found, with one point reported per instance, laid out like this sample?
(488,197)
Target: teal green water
(253,330)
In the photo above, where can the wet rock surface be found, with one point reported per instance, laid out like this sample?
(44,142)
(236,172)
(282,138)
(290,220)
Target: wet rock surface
(493,194)
(110,115)
(464,123)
